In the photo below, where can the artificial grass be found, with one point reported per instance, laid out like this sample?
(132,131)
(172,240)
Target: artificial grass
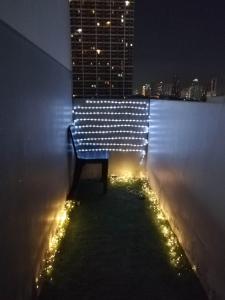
(113,250)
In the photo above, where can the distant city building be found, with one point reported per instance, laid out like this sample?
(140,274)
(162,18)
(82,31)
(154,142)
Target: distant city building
(167,89)
(185,93)
(156,89)
(102,34)
(136,92)
(212,90)
(176,88)
(146,90)
(159,89)
(195,91)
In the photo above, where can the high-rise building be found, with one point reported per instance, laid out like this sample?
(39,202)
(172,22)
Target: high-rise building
(212,89)
(195,90)
(146,90)
(156,89)
(185,93)
(176,88)
(167,89)
(102,33)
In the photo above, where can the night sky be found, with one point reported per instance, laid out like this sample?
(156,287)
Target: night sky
(182,37)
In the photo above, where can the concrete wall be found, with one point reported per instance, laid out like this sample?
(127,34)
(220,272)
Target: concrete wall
(187,169)
(44,22)
(35,95)
(217,99)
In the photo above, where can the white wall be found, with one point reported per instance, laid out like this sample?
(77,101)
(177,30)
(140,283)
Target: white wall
(44,22)
(187,170)
(35,112)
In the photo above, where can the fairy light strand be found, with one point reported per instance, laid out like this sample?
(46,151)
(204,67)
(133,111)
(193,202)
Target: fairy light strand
(110,120)
(112,139)
(112,144)
(111,113)
(116,102)
(112,150)
(61,220)
(171,241)
(120,120)
(109,107)
(110,126)
(110,132)
(175,255)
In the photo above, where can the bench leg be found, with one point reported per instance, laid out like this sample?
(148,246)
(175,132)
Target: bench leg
(77,173)
(105,175)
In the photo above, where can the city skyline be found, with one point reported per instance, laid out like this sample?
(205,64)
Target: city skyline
(183,38)
(174,89)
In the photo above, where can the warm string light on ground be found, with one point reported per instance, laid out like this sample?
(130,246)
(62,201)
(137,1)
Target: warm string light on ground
(62,219)
(127,176)
(171,241)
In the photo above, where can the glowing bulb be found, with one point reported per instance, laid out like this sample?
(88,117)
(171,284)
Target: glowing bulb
(61,220)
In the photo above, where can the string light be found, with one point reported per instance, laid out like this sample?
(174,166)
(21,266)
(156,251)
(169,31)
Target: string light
(171,242)
(111,113)
(112,150)
(112,144)
(116,102)
(170,238)
(109,107)
(61,222)
(111,132)
(112,138)
(109,116)
(111,126)
(110,120)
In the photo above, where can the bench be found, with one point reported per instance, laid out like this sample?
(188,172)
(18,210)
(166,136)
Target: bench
(88,157)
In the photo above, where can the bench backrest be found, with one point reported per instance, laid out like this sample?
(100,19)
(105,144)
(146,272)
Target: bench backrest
(72,133)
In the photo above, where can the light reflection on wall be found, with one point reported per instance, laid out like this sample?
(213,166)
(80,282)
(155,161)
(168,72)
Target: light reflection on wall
(61,222)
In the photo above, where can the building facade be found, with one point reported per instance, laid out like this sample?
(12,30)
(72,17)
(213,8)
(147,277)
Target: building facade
(146,90)
(176,88)
(195,90)
(212,89)
(102,34)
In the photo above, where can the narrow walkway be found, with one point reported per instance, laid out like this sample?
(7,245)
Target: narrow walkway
(113,251)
